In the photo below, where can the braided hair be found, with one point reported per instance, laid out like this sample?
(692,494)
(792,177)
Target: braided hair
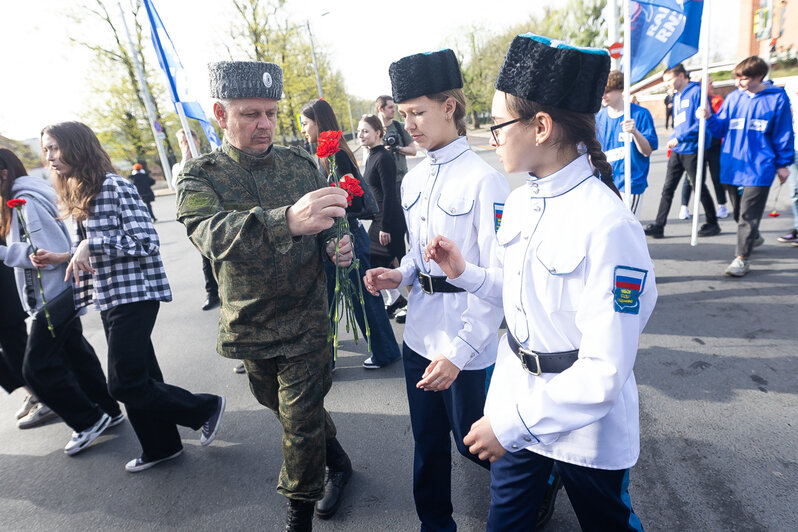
(577,129)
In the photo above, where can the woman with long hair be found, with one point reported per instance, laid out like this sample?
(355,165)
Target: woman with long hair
(577,285)
(116,263)
(387,230)
(318,117)
(59,366)
(450,336)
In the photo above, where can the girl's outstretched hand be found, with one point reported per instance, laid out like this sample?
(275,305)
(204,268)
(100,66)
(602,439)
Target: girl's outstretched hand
(444,252)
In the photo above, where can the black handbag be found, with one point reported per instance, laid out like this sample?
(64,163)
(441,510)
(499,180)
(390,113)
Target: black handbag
(61,307)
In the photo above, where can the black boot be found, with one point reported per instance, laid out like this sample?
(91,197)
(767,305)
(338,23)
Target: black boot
(549,498)
(337,474)
(299,517)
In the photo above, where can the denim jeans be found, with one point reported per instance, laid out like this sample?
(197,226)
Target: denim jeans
(384,348)
(793,183)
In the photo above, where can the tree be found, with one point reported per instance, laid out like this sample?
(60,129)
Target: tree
(481,53)
(120,116)
(263,34)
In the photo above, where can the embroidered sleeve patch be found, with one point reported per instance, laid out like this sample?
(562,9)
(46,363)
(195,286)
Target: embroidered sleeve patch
(498,209)
(628,284)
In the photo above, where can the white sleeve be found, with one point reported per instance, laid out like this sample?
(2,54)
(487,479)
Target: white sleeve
(482,317)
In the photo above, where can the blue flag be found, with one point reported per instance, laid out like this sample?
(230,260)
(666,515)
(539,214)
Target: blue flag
(176,74)
(667,29)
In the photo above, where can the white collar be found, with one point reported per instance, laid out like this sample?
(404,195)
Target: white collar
(450,152)
(561,181)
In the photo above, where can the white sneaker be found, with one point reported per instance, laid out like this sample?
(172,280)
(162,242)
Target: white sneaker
(39,414)
(722,212)
(684,213)
(738,267)
(81,440)
(27,405)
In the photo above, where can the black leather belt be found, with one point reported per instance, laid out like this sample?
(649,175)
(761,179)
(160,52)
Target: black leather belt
(537,363)
(432,284)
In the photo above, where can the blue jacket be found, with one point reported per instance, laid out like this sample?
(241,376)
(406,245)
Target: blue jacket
(685,124)
(610,135)
(758,136)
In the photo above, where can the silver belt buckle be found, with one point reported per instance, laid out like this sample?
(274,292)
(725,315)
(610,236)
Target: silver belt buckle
(425,279)
(522,352)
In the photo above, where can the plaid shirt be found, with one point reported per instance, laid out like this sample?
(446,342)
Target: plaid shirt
(124,248)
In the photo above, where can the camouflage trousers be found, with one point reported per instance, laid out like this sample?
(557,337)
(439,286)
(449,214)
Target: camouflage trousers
(294,389)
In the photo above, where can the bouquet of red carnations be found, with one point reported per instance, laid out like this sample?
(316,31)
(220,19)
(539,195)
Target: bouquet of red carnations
(345,289)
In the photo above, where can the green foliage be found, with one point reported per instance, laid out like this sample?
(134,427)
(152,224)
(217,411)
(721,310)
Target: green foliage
(263,34)
(26,154)
(482,53)
(116,109)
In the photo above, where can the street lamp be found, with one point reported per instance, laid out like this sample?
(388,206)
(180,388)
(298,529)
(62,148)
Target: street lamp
(313,54)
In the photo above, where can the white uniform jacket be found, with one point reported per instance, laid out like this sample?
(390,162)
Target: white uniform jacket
(574,272)
(453,193)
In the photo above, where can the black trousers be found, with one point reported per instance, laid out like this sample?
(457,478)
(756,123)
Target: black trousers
(211,286)
(712,158)
(134,378)
(12,340)
(748,209)
(678,164)
(66,375)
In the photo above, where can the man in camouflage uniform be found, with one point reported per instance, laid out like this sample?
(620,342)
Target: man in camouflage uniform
(263,214)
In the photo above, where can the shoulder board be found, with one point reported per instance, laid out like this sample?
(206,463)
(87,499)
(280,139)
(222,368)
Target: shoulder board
(209,159)
(300,152)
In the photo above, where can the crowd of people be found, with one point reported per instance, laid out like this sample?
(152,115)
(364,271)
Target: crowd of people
(551,403)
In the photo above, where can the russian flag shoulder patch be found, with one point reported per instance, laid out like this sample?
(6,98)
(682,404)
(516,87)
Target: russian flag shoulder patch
(498,209)
(627,286)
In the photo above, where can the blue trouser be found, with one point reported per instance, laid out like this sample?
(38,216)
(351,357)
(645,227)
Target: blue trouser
(433,416)
(384,348)
(600,497)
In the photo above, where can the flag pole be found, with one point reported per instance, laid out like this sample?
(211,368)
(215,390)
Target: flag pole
(612,26)
(627,101)
(145,94)
(702,124)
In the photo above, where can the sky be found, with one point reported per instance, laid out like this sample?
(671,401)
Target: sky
(45,76)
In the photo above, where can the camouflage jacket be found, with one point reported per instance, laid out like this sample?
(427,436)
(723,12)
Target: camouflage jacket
(271,284)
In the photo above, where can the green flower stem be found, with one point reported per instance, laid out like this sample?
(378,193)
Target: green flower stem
(38,271)
(344,287)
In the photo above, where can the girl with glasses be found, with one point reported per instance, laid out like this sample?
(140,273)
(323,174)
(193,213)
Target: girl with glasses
(574,276)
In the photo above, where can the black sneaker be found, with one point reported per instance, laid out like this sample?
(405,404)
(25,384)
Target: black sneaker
(142,464)
(396,305)
(654,231)
(709,230)
(401,315)
(211,427)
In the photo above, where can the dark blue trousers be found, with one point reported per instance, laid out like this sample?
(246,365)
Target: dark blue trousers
(384,348)
(600,497)
(433,416)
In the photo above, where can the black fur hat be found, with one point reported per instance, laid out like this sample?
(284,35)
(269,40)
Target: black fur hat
(553,73)
(422,74)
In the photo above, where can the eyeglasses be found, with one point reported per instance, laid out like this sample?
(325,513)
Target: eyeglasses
(495,128)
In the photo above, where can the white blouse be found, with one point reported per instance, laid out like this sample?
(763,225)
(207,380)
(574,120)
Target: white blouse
(453,193)
(573,272)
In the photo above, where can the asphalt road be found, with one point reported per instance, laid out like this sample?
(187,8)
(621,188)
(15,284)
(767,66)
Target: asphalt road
(716,371)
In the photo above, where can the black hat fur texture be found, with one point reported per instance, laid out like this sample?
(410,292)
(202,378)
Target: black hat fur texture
(550,72)
(422,74)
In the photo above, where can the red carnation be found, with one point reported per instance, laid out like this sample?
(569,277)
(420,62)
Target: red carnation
(14,203)
(329,143)
(352,186)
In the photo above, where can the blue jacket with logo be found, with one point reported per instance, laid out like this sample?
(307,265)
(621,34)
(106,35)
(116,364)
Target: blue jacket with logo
(610,134)
(758,136)
(685,124)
